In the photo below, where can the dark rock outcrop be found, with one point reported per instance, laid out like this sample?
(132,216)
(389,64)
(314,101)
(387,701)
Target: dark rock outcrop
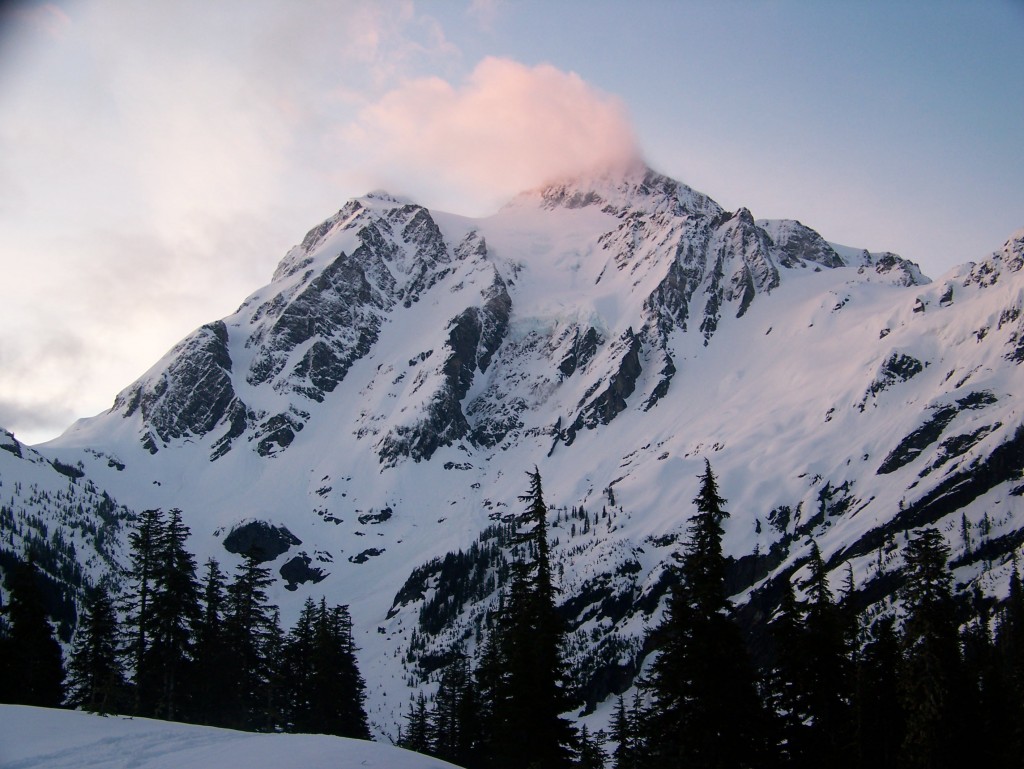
(260,539)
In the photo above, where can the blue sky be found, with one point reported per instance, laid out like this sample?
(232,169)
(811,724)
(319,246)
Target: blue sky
(157,159)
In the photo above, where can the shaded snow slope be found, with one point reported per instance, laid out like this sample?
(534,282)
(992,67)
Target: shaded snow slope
(40,738)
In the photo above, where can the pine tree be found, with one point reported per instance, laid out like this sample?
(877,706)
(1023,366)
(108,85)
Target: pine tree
(984,706)
(531,696)
(786,697)
(878,714)
(210,680)
(928,678)
(31,663)
(248,625)
(1009,642)
(623,734)
(592,754)
(145,543)
(490,684)
(298,661)
(826,672)
(454,723)
(706,711)
(417,727)
(96,680)
(174,610)
(338,692)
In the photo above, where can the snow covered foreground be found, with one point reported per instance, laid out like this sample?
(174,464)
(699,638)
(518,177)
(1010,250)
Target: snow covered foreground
(40,738)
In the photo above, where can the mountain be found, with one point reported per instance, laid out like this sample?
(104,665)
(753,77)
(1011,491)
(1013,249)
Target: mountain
(366,418)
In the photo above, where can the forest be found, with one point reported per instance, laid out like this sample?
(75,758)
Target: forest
(928,687)
(183,647)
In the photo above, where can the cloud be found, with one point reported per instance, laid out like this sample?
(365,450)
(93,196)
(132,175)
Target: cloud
(507,128)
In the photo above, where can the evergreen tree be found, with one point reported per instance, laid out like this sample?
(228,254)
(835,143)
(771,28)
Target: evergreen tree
(454,724)
(786,696)
(1009,643)
(248,626)
(145,543)
(338,692)
(826,673)
(878,713)
(275,689)
(984,706)
(417,727)
(623,734)
(31,663)
(211,680)
(298,660)
(706,711)
(592,754)
(928,678)
(490,681)
(173,610)
(96,680)
(529,695)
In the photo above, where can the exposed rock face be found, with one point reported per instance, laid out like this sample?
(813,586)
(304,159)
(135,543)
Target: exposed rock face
(298,571)
(260,539)
(192,395)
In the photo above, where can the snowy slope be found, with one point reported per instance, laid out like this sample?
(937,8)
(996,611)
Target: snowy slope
(382,397)
(74,531)
(40,738)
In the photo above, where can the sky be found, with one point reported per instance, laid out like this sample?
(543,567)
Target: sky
(158,159)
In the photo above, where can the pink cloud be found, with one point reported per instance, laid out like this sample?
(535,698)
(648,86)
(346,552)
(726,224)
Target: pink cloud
(507,128)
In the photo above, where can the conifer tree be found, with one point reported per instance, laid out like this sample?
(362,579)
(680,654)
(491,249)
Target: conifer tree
(490,684)
(338,691)
(31,663)
(931,659)
(531,696)
(454,723)
(417,727)
(984,705)
(786,696)
(591,754)
(145,543)
(174,609)
(248,626)
(1009,642)
(211,681)
(706,711)
(878,713)
(298,660)
(623,735)
(826,672)
(96,680)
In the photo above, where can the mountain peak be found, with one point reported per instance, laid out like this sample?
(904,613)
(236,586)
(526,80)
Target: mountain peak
(631,184)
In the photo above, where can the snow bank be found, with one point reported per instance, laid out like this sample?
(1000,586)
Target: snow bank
(39,738)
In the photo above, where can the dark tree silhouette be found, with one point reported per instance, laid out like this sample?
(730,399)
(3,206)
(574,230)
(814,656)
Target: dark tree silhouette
(96,680)
(706,711)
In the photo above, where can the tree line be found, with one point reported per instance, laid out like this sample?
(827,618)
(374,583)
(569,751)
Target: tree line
(207,650)
(923,689)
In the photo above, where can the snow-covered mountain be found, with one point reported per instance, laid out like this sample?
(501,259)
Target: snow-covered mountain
(373,409)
